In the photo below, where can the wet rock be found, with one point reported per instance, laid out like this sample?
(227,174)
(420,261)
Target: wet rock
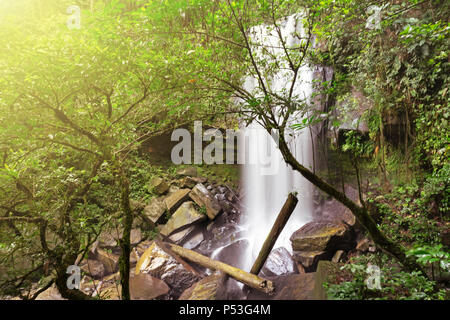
(204,198)
(181,235)
(230,253)
(176,199)
(145,287)
(279,262)
(185,215)
(227,206)
(222,189)
(155,210)
(188,171)
(322,236)
(93,268)
(220,197)
(205,289)
(161,263)
(220,236)
(159,186)
(194,241)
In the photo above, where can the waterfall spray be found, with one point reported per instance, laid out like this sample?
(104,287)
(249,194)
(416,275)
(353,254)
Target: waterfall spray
(266,193)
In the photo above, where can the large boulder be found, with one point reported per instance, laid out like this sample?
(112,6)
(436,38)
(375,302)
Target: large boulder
(205,199)
(230,254)
(162,263)
(322,236)
(145,287)
(288,287)
(155,210)
(279,262)
(174,200)
(185,216)
(205,289)
(319,240)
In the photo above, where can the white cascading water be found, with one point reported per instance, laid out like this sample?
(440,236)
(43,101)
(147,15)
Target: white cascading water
(265,191)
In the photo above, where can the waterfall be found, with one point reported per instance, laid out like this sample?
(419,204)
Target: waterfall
(266,186)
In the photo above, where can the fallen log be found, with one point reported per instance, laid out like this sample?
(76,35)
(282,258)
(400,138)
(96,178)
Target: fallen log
(248,279)
(274,233)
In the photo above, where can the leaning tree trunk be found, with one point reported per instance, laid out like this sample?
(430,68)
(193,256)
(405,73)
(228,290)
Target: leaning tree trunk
(249,279)
(361,213)
(274,233)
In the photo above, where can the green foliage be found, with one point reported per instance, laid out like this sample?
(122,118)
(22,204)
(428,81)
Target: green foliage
(355,143)
(202,210)
(431,256)
(395,285)
(401,69)
(404,221)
